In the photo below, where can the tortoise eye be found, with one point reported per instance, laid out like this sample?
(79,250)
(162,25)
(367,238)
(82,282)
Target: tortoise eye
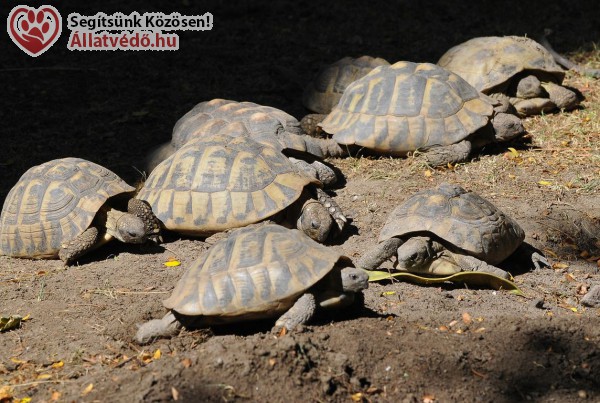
(314,225)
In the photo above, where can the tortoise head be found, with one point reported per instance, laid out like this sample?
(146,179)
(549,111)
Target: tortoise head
(415,253)
(126,227)
(315,221)
(354,280)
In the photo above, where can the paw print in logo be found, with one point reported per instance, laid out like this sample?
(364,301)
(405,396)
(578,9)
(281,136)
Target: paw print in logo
(34,30)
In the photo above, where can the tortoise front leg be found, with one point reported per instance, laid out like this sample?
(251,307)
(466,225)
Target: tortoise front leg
(471,263)
(168,326)
(300,313)
(142,209)
(79,245)
(333,208)
(379,254)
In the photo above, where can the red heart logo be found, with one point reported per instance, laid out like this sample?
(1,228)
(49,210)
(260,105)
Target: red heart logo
(34,30)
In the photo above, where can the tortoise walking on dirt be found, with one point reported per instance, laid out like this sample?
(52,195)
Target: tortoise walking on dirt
(407,107)
(445,230)
(260,271)
(219,182)
(65,207)
(512,66)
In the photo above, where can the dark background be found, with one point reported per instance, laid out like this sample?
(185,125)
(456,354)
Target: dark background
(112,107)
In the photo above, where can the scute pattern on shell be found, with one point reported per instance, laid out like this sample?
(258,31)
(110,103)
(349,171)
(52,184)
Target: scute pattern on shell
(258,269)
(214,183)
(325,91)
(53,203)
(461,218)
(488,63)
(210,117)
(407,106)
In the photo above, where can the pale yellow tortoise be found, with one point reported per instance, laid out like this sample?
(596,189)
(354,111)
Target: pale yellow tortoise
(67,207)
(515,67)
(445,230)
(214,183)
(261,271)
(406,107)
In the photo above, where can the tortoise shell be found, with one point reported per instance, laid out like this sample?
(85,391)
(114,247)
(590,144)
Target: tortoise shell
(218,182)
(257,271)
(210,117)
(53,203)
(325,91)
(489,63)
(463,219)
(407,106)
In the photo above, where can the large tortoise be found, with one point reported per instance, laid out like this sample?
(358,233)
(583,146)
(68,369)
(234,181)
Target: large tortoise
(261,271)
(513,66)
(264,124)
(444,230)
(407,107)
(214,183)
(325,91)
(66,207)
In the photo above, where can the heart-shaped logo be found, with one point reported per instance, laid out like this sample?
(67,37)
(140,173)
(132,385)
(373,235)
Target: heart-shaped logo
(34,30)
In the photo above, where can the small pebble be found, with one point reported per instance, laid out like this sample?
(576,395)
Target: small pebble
(592,298)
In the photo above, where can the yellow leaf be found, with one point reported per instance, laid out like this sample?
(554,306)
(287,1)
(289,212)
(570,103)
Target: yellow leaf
(385,293)
(5,393)
(156,355)
(87,389)
(26,317)
(573,309)
(427,173)
(545,183)
(357,397)
(44,376)
(513,151)
(17,361)
(55,396)
(559,266)
(23,400)
(511,176)
(58,364)
(172,263)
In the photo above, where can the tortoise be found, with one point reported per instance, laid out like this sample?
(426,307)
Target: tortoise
(444,230)
(325,91)
(515,67)
(214,183)
(260,271)
(66,207)
(407,107)
(264,124)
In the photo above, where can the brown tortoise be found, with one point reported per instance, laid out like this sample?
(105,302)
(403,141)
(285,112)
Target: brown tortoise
(260,271)
(444,230)
(66,207)
(515,67)
(214,183)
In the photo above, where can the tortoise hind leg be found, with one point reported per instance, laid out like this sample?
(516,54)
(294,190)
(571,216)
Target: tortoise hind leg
(471,263)
(300,313)
(450,154)
(80,245)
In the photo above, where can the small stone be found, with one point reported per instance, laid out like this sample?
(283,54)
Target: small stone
(537,303)
(582,394)
(592,298)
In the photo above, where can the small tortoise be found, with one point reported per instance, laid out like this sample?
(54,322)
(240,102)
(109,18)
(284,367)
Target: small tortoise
(445,230)
(325,91)
(214,183)
(515,67)
(260,271)
(407,107)
(264,124)
(65,207)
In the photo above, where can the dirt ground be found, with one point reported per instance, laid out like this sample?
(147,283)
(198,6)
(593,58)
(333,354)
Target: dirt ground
(407,343)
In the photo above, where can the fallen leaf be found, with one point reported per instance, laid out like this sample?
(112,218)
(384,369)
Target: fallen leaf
(385,293)
(272,362)
(17,361)
(357,397)
(58,364)
(427,173)
(44,376)
(175,393)
(545,183)
(479,330)
(10,322)
(6,393)
(55,396)
(443,328)
(428,398)
(559,266)
(87,389)
(172,263)
(156,354)
(186,362)
(569,277)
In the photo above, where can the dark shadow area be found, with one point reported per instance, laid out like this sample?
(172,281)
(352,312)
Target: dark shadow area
(113,107)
